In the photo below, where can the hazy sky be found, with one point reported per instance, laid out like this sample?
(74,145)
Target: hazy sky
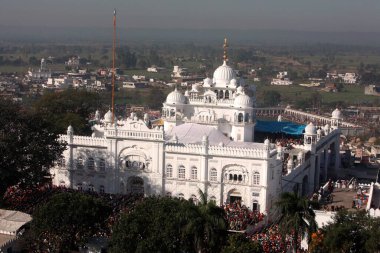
(306,15)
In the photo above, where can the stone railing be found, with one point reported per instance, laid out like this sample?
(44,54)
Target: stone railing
(225,102)
(238,152)
(188,149)
(219,150)
(129,134)
(84,140)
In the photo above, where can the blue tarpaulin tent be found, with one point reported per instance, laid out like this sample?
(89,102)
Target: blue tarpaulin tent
(279,127)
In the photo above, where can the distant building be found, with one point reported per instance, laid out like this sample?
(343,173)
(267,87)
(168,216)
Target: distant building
(350,78)
(282,79)
(372,90)
(73,62)
(134,85)
(42,73)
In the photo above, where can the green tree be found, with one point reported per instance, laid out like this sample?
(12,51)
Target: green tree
(165,225)
(296,217)
(66,222)
(352,232)
(70,107)
(155,98)
(28,147)
(238,243)
(272,98)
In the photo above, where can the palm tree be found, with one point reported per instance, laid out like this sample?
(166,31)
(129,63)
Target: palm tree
(296,216)
(209,231)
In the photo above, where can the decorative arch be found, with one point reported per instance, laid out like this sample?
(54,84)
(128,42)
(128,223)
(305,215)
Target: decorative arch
(235,173)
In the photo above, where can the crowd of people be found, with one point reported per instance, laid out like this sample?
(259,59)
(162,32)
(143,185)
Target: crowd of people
(239,217)
(272,241)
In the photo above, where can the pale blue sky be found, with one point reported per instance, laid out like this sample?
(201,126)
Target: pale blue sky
(306,15)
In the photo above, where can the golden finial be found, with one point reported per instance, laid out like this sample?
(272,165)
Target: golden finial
(225,47)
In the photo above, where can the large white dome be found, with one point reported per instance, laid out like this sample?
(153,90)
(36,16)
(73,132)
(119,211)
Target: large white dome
(223,75)
(175,97)
(337,114)
(243,101)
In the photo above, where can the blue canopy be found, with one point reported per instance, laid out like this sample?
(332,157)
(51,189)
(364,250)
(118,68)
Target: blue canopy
(279,127)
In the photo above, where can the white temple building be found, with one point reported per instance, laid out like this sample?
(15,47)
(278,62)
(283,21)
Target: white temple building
(42,73)
(206,143)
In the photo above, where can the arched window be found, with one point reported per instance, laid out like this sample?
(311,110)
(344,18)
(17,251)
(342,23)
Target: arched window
(240,117)
(213,199)
(213,175)
(181,196)
(102,165)
(231,177)
(227,95)
(235,177)
(79,187)
(181,172)
(101,189)
(80,163)
(221,94)
(256,178)
(240,178)
(90,164)
(91,188)
(169,171)
(194,173)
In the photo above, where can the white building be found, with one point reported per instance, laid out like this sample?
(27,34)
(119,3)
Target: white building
(206,143)
(42,73)
(350,78)
(281,79)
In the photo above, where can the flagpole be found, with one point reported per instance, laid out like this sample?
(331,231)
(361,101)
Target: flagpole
(113,65)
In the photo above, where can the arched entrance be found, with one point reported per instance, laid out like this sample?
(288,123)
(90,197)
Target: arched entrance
(233,196)
(135,185)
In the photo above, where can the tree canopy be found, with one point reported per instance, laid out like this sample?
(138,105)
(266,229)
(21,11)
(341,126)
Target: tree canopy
(350,232)
(66,221)
(238,243)
(70,107)
(28,147)
(169,225)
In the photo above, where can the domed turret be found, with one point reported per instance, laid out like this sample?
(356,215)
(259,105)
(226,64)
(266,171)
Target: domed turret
(266,142)
(207,83)
(243,101)
(223,75)
(70,130)
(337,114)
(108,117)
(233,83)
(97,115)
(310,129)
(187,93)
(175,97)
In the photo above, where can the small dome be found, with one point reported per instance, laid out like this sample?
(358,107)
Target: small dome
(194,88)
(319,131)
(327,127)
(310,129)
(207,83)
(187,93)
(97,115)
(243,101)
(266,142)
(233,83)
(70,130)
(175,97)
(337,114)
(146,116)
(239,90)
(223,75)
(108,117)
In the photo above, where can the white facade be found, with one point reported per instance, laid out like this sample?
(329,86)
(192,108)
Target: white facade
(206,143)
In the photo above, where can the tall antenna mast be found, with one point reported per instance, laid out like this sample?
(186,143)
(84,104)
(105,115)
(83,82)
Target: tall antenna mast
(113,65)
